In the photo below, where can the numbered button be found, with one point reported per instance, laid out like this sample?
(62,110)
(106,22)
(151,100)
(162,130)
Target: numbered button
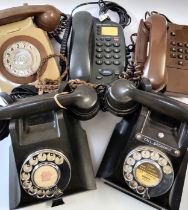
(180,50)
(108,49)
(173,49)
(99,49)
(116,63)
(99,55)
(117,56)
(180,44)
(99,44)
(108,56)
(116,44)
(173,55)
(180,56)
(108,44)
(107,62)
(116,50)
(99,62)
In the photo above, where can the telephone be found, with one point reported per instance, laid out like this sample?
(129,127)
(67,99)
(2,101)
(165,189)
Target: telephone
(49,158)
(97,52)
(49,155)
(147,158)
(147,154)
(161,53)
(24,43)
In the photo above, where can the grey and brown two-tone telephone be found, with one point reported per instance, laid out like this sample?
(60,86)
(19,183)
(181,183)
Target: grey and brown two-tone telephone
(162,53)
(24,43)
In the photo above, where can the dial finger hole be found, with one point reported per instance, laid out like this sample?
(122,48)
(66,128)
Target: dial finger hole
(25,176)
(167,169)
(155,156)
(133,184)
(27,168)
(130,161)
(40,193)
(49,193)
(42,157)
(145,154)
(32,190)
(59,160)
(141,190)
(27,184)
(162,161)
(137,156)
(33,161)
(127,168)
(50,157)
(128,177)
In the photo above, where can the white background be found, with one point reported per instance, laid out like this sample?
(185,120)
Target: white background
(98,129)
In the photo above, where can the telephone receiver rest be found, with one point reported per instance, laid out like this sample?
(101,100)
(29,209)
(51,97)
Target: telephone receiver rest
(82,103)
(122,98)
(47,17)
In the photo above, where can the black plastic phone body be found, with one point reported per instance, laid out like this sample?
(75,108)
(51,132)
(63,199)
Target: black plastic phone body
(123,141)
(52,130)
(97,49)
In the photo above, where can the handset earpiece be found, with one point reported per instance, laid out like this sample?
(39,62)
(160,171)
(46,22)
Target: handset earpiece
(46,17)
(82,103)
(122,98)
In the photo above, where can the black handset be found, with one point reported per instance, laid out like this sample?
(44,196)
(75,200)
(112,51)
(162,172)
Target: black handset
(97,49)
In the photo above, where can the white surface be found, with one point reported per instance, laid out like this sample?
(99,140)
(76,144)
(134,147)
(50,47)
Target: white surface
(100,128)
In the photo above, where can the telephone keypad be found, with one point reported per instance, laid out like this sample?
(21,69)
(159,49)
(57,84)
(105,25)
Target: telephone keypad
(109,55)
(186,45)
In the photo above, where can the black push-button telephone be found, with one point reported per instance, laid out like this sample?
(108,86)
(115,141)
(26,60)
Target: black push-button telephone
(97,49)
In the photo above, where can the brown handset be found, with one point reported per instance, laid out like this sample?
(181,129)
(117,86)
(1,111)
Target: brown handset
(162,53)
(47,17)
(24,43)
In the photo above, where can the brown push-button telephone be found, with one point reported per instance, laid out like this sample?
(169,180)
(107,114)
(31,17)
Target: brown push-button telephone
(162,53)
(24,43)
